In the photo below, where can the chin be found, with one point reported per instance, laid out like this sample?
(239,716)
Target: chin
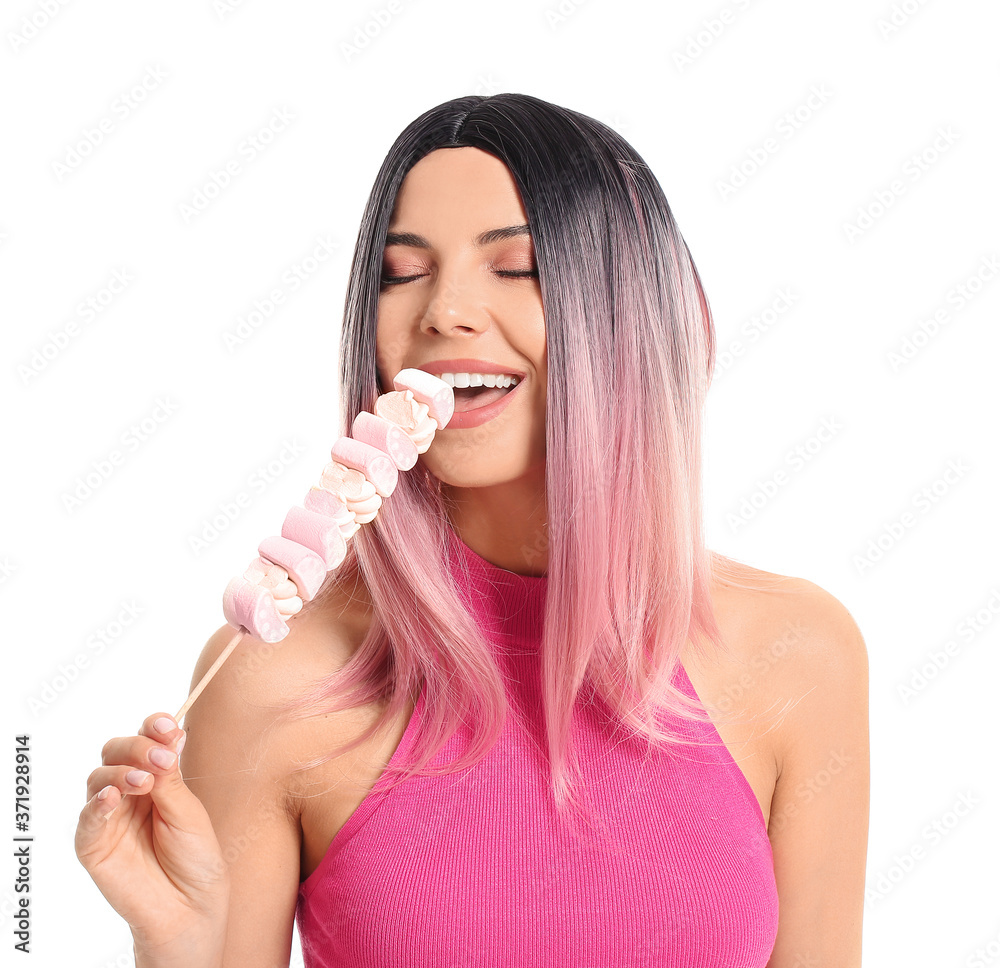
(468,465)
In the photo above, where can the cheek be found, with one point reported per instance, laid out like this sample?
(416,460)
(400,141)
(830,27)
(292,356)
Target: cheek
(393,348)
(386,353)
(388,338)
(540,352)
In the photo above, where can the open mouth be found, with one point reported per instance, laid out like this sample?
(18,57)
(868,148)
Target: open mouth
(472,398)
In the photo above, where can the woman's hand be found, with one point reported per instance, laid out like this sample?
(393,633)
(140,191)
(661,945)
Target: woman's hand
(153,853)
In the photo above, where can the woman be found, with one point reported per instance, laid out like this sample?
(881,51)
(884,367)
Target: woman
(518,643)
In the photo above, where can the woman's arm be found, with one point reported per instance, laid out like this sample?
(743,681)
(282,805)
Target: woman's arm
(237,761)
(819,811)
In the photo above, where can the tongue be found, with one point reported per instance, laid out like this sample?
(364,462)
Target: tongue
(472,398)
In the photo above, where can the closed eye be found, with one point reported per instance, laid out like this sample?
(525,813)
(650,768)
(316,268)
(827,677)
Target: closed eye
(508,273)
(393,280)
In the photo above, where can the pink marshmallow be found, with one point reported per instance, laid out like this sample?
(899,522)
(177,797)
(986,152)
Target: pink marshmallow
(322,501)
(387,437)
(306,568)
(375,464)
(353,488)
(429,389)
(316,532)
(252,607)
(273,577)
(259,569)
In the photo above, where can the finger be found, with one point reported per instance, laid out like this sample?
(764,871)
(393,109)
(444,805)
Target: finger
(140,752)
(163,728)
(128,780)
(175,802)
(94,831)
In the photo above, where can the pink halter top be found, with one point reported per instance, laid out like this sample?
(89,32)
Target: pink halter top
(475,868)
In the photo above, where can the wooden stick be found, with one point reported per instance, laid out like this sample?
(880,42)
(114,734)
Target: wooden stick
(208,676)
(199,689)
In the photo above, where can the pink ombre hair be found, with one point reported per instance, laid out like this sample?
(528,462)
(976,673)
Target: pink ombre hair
(630,349)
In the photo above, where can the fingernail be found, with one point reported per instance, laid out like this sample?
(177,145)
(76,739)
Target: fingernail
(180,743)
(161,757)
(164,725)
(137,777)
(104,793)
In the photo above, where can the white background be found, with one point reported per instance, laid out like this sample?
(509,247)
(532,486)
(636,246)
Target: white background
(887,94)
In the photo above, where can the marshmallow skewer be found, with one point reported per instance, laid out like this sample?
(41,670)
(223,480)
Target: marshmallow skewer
(208,676)
(364,469)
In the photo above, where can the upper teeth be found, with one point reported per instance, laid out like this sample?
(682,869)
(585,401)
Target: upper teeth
(479,379)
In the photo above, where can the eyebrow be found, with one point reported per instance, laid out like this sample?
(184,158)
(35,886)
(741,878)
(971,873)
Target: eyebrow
(484,238)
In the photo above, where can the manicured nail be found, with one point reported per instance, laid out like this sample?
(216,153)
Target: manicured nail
(164,725)
(161,757)
(137,777)
(104,793)
(180,743)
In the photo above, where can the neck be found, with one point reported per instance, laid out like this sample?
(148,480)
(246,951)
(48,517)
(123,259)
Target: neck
(503,523)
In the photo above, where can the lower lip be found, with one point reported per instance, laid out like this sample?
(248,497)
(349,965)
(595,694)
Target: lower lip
(481,415)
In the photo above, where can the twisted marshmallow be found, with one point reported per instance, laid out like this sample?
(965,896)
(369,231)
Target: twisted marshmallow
(290,569)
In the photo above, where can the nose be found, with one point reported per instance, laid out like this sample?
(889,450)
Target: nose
(455,308)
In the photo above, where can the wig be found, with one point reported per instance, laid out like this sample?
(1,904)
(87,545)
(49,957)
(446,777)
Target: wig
(630,350)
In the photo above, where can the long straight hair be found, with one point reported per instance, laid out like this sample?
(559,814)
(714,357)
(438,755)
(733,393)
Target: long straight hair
(630,350)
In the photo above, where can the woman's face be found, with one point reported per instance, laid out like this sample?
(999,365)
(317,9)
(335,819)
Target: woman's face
(468,297)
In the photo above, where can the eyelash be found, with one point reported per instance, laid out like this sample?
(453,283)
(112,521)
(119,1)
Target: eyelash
(507,273)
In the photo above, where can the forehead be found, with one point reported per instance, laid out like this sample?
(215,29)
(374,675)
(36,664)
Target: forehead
(457,192)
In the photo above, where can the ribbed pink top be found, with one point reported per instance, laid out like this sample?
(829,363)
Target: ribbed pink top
(475,869)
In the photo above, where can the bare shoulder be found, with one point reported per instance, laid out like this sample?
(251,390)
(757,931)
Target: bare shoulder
(765,603)
(800,650)
(242,716)
(317,644)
